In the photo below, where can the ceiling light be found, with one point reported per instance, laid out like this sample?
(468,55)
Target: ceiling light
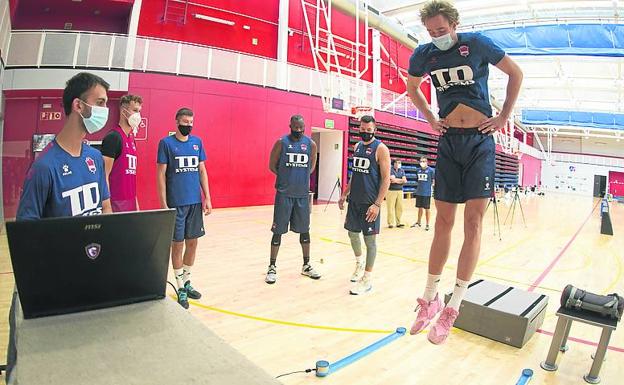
(214,19)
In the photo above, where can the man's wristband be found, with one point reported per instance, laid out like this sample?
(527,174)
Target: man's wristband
(377,204)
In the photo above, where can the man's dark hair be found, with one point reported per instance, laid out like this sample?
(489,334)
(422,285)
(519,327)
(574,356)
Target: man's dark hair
(367,119)
(296,118)
(184,111)
(77,86)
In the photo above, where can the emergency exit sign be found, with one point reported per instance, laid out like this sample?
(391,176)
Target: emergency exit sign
(50,115)
(329,123)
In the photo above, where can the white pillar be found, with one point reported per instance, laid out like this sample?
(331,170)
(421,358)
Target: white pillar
(376,47)
(282,45)
(133,28)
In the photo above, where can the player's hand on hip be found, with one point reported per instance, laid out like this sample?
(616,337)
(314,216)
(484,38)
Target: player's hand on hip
(207,207)
(493,124)
(372,213)
(439,125)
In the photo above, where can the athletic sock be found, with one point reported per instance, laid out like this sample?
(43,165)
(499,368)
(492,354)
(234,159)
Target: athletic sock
(458,293)
(187,273)
(179,276)
(431,289)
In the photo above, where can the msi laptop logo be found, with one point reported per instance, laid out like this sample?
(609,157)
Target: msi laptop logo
(93,250)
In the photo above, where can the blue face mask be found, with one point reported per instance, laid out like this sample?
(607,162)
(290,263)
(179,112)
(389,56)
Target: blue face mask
(443,42)
(97,120)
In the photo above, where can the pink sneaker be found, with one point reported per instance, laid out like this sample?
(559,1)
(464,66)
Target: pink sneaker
(438,333)
(426,312)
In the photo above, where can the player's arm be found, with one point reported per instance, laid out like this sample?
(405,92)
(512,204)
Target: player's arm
(404,179)
(111,149)
(314,156)
(419,100)
(203,180)
(161,180)
(106,206)
(383,159)
(36,189)
(347,189)
(274,158)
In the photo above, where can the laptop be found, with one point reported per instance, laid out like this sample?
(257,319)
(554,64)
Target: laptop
(73,264)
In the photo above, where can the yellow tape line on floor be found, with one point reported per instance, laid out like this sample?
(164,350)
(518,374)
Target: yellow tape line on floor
(288,323)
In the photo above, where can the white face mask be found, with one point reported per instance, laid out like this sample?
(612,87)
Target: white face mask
(443,42)
(134,120)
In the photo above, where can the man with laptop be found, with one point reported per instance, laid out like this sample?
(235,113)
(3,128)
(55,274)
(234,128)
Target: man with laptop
(68,178)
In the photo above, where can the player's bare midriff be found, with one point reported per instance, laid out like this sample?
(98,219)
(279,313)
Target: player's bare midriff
(463,116)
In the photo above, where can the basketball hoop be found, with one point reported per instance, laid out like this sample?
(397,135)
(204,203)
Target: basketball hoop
(359,111)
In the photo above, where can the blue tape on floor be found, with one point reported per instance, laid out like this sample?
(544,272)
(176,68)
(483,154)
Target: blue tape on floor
(525,377)
(324,368)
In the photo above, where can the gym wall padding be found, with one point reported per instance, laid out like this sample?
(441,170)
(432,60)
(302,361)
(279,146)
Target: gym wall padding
(574,118)
(561,39)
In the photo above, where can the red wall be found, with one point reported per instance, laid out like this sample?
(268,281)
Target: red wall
(238,125)
(22,120)
(616,183)
(89,15)
(260,15)
(531,167)
(262,18)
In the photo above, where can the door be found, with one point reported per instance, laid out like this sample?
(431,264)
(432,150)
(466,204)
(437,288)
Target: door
(600,185)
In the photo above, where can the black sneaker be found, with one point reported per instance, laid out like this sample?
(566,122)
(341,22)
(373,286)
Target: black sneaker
(427,228)
(191,292)
(390,226)
(183,298)
(400,225)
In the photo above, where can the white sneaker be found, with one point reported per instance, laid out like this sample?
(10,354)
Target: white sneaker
(363,286)
(358,273)
(309,271)
(271,276)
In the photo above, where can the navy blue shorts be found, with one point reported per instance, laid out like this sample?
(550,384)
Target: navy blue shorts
(291,211)
(465,165)
(189,223)
(356,219)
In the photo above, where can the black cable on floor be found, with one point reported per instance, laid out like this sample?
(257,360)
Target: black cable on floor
(299,371)
(174,289)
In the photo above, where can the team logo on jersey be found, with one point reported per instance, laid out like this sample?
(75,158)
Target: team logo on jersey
(304,147)
(84,200)
(90,164)
(445,78)
(187,164)
(296,160)
(361,165)
(66,170)
(487,183)
(433,60)
(464,50)
(369,151)
(290,146)
(195,147)
(93,250)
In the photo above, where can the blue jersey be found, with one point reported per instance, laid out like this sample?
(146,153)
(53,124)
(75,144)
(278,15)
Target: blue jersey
(61,185)
(425,179)
(459,74)
(294,167)
(399,174)
(182,160)
(365,176)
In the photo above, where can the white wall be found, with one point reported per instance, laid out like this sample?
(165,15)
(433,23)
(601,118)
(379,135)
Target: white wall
(330,167)
(572,177)
(47,78)
(579,145)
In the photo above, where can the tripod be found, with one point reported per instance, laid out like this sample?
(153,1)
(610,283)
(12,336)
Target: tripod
(336,185)
(512,210)
(496,217)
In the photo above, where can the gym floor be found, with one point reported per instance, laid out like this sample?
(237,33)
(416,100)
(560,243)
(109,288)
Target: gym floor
(290,325)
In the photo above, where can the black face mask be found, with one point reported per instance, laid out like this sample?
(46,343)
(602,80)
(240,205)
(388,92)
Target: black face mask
(366,136)
(296,134)
(185,130)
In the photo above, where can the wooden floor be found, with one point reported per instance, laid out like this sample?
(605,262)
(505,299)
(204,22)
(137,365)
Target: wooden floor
(292,324)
